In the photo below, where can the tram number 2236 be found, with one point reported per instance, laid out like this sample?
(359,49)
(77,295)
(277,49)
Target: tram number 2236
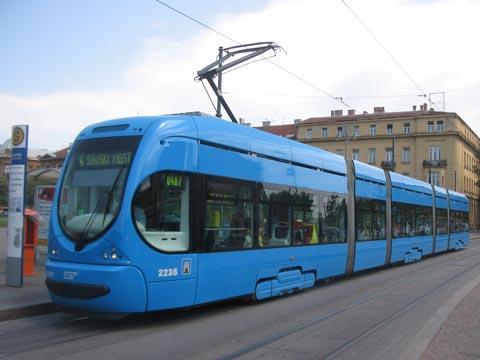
(167,272)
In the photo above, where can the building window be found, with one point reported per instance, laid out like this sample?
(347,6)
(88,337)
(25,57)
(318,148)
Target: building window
(440,126)
(324,133)
(339,152)
(406,154)
(434,153)
(340,131)
(373,130)
(430,126)
(388,154)
(434,178)
(309,134)
(390,129)
(355,154)
(372,156)
(356,131)
(406,128)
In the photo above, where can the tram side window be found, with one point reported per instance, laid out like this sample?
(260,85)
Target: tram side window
(305,218)
(319,217)
(466,222)
(161,211)
(228,215)
(411,220)
(398,220)
(423,220)
(370,219)
(458,221)
(333,218)
(274,217)
(441,220)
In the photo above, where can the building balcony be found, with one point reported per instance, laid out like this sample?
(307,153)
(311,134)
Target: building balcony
(434,163)
(388,165)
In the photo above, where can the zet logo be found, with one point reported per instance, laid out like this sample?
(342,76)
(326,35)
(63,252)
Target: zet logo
(18,135)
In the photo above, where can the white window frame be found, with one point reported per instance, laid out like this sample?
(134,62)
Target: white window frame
(406,154)
(388,154)
(406,128)
(430,126)
(356,154)
(440,125)
(373,130)
(434,153)
(324,133)
(389,129)
(372,156)
(356,130)
(309,134)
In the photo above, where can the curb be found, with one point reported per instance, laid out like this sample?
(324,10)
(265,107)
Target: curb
(416,349)
(27,311)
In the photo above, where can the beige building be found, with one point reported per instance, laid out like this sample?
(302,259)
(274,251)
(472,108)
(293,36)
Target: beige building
(433,146)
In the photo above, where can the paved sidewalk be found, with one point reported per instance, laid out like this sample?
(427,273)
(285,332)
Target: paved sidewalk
(459,335)
(31,299)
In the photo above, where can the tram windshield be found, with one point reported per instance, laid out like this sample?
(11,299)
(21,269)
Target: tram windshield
(93,186)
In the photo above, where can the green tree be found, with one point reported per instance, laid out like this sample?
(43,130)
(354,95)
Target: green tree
(3,190)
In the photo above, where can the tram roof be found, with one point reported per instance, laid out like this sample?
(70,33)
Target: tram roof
(408,183)
(368,172)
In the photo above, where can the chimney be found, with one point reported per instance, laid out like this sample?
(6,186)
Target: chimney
(266,124)
(365,112)
(414,107)
(297,122)
(241,120)
(351,112)
(379,109)
(424,107)
(338,113)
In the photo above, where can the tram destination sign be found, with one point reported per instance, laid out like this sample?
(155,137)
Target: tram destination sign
(104,159)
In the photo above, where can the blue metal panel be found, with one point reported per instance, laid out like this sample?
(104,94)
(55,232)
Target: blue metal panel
(224,132)
(441,198)
(319,180)
(402,246)
(410,183)
(369,254)
(123,281)
(309,155)
(402,195)
(171,294)
(441,243)
(220,162)
(368,172)
(313,156)
(370,190)
(458,201)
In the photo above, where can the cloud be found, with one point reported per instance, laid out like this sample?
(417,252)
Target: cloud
(434,42)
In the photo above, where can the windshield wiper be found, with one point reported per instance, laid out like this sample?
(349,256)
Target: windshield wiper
(106,197)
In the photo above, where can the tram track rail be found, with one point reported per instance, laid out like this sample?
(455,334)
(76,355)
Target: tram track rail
(323,318)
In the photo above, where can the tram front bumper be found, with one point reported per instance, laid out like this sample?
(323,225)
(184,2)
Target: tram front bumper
(96,288)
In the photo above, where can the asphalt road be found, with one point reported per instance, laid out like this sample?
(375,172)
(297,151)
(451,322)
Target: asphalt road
(375,315)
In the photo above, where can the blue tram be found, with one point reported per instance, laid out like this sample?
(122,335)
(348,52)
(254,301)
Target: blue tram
(173,211)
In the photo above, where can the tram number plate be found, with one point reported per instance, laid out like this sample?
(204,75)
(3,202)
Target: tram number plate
(167,272)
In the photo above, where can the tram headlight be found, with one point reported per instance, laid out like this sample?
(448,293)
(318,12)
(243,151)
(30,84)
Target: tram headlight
(54,252)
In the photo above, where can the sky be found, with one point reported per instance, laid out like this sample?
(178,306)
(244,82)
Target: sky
(67,64)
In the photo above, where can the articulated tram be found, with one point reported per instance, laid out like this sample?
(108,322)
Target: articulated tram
(174,211)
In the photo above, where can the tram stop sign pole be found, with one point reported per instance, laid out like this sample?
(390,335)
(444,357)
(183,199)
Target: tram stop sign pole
(16,205)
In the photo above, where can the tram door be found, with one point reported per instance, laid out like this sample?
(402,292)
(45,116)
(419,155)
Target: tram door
(225,269)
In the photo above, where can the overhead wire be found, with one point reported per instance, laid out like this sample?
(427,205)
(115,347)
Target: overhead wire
(424,93)
(296,76)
